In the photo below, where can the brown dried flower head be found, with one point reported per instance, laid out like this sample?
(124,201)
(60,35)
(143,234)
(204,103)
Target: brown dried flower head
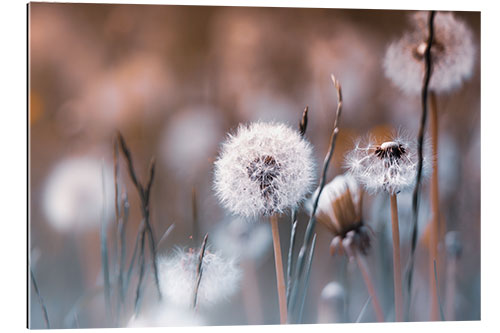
(339,210)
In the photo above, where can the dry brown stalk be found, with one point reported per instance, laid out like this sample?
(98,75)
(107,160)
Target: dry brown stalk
(280,276)
(434,235)
(363,267)
(398,287)
(303,122)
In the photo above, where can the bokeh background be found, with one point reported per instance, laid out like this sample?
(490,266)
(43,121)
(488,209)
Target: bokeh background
(174,80)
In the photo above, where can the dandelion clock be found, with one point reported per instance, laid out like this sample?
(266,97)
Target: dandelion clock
(265,169)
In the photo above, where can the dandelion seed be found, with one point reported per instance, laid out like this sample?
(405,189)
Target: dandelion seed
(453,55)
(390,166)
(220,277)
(264,169)
(73,194)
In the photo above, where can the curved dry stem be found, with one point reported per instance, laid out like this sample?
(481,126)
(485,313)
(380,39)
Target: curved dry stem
(434,236)
(312,220)
(416,191)
(363,267)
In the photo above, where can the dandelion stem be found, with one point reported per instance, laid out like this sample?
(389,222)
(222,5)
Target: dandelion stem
(280,276)
(434,235)
(416,191)
(363,267)
(398,288)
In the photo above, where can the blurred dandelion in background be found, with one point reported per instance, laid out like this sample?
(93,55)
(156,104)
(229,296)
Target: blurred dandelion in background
(166,315)
(453,55)
(220,278)
(74,199)
(241,239)
(331,304)
(190,139)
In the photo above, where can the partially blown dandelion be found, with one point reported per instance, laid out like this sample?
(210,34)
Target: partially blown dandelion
(452,53)
(73,196)
(390,166)
(264,169)
(220,277)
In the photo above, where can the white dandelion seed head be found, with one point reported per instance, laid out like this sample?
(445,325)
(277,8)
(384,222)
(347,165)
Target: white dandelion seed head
(220,277)
(240,239)
(265,168)
(389,165)
(164,315)
(453,54)
(73,197)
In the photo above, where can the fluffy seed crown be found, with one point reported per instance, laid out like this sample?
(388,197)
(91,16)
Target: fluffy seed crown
(263,169)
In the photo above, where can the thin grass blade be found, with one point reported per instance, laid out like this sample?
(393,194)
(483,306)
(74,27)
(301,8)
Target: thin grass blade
(308,274)
(40,300)
(199,272)
(441,312)
(363,310)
